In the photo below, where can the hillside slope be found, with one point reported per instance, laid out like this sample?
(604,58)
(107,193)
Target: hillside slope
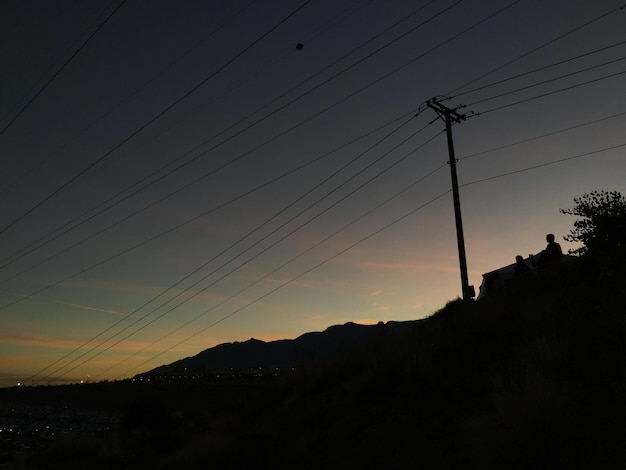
(531,377)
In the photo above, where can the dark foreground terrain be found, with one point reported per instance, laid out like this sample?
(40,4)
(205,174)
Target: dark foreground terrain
(533,376)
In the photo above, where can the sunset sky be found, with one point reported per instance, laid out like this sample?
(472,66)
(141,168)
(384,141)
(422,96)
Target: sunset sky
(176,175)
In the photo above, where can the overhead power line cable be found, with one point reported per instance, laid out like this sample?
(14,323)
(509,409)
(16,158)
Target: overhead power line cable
(359,47)
(542,46)
(291,280)
(476,24)
(228,128)
(283,265)
(553,162)
(317,244)
(47,73)
(369,236)
(124,100)
(301,96)
(123,252)
(230,162)
(344,14)
(543,82)
(553,92)
(101,351)
(264,250)
(179,226)
(138,211)
(542,165)
(540,69)
(41,243)
(155,118)
(336,255)
(215,257)
(7,261)
(65,64)
(541,136)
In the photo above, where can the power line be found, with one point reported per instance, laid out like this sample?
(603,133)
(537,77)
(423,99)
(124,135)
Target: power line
(39,245)
(478,23)
(540,69)
(180,225)
(224,251)
(126,99)
(530,139)
(159,115)
(328,259)
(569,158)
(51,69)
(224,264)
(344,14)
(258,121)
(543,82)
(273,244)
(277,110)
(56,74)
(560,90)
(301,123)
(291,260)
(534,167)
(272,291)
(542,46)
(43,242)
(347,12)
(124,219)
(241,131)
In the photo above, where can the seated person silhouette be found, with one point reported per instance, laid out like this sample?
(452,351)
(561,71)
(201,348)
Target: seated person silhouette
(549,258)
(522,270)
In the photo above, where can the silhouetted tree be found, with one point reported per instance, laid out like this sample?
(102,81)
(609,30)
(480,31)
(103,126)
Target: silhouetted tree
(602,226)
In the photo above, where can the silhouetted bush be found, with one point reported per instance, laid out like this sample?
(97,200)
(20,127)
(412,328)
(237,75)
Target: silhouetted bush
(602,226)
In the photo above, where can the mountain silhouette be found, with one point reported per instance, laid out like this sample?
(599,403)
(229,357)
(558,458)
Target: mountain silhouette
(308,348)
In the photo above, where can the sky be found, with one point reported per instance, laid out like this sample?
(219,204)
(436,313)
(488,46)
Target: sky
(176,175)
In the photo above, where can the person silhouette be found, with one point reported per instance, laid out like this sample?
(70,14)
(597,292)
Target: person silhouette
(553,253)
(549,258)
(522,271)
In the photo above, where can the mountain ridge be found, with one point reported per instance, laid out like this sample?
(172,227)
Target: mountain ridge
(307,348)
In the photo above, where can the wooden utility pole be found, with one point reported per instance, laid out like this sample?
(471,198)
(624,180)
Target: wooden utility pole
(450,115)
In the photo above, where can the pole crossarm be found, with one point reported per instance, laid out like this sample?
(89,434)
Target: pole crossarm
(443,111)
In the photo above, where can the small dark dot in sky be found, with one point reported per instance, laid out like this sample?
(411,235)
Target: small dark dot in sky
(299,46)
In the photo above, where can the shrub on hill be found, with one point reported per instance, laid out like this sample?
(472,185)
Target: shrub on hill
(602,226)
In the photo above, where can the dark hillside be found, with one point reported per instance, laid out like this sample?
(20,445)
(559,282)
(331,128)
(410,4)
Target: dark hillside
(530,377)
(534,378)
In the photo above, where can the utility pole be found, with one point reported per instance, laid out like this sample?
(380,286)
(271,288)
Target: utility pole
(449,116)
